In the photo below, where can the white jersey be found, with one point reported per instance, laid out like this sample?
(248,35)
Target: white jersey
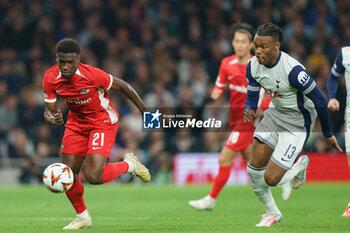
(287,122)
(287,83)
(342,66)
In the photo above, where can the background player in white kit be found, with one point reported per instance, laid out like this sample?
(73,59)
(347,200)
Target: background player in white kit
(341,66)
(286,125)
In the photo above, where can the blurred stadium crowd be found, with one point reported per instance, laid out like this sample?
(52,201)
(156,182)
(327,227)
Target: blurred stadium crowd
(169,51)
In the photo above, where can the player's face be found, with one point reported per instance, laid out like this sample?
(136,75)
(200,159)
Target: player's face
(266,49)
(242,44)
(67,63)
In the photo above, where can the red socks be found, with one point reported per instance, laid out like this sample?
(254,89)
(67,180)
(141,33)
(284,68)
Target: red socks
(220,180)
(113,170)
(75,196)
(110,172)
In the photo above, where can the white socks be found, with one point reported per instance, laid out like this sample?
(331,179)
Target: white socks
(291,173)
(84,214)
(262,190)
(131,165)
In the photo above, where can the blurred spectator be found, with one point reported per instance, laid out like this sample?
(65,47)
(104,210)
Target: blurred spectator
(8,115)
(11,77)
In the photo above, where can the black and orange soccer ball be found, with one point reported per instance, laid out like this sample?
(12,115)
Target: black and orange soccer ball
(58,177)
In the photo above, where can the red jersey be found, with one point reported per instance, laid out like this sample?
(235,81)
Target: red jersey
(84,94)
(232,73)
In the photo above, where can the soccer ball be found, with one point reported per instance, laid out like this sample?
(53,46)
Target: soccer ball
(58,177)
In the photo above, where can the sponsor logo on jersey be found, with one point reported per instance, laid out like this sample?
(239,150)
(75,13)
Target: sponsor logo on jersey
(78,101)
(84,91)
(303,78)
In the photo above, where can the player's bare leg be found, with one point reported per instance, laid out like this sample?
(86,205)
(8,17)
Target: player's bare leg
(225,161)
(75,194)
(247,153)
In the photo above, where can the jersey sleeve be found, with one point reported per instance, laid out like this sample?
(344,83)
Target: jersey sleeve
(253,90)
(301,80)
(337,70)
(338,67)
(102,79)
(49,91)
(221,80)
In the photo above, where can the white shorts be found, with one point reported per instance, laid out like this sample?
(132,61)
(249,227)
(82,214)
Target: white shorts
(287,144)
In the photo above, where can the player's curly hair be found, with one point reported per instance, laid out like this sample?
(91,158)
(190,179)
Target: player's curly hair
(68,45)
(270,29)
(242,27)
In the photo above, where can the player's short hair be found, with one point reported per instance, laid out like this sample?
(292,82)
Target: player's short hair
(270,29)
(68,45)
(242,27)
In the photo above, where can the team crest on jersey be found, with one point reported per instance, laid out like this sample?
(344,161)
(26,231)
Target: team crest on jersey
(278,83)
(84,91)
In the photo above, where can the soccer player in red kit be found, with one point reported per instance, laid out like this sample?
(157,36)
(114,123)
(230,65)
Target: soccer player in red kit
(232,74)
(91,124)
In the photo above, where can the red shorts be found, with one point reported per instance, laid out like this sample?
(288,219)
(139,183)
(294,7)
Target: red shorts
(239,141)
(80,140)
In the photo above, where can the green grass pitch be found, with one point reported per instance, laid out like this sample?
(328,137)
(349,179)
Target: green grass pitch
(151,208)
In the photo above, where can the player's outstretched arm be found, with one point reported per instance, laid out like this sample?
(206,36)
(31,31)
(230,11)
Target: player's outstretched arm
(129,92)
(320,103)
(51,116)
(332,82)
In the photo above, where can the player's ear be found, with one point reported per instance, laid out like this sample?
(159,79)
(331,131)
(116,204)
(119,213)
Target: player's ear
(277,45)
(251,46)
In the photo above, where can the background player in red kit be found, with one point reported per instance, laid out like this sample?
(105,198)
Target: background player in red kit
(91,124)
(232,74)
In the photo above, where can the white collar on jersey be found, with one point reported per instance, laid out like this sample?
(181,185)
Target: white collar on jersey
(76,72)
(234,61)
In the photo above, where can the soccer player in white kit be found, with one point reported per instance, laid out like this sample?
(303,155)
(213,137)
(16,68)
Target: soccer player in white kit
(280,136)
(341,66)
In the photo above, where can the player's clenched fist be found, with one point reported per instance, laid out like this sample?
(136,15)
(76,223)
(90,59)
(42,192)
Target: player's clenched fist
(55,119)
(333,105)
(248,114)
